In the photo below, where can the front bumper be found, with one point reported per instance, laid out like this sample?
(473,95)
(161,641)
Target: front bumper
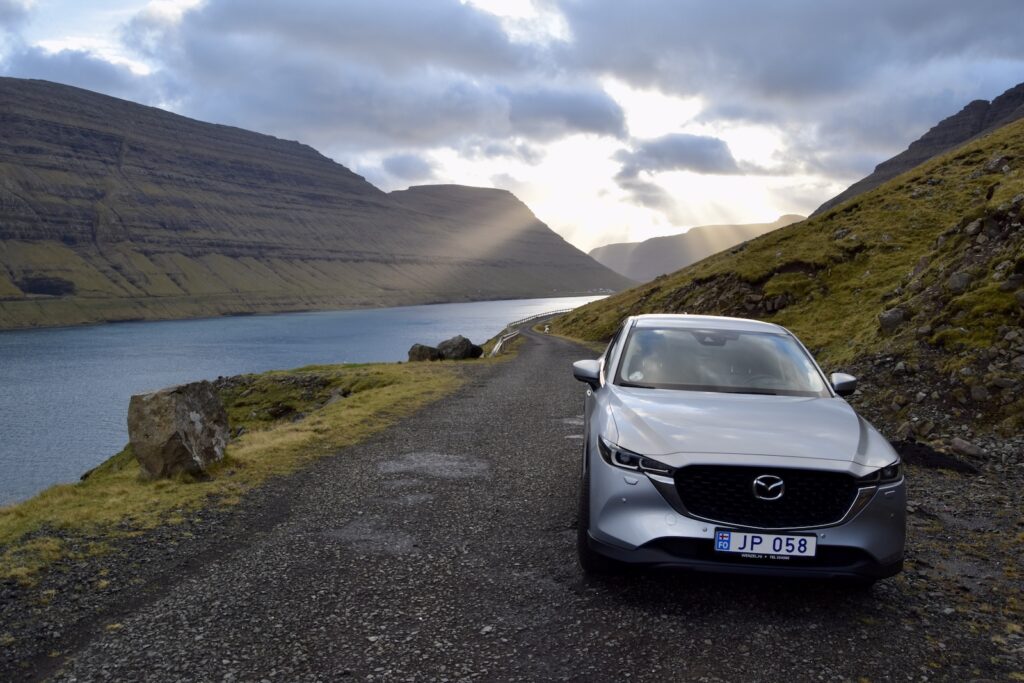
(631,521)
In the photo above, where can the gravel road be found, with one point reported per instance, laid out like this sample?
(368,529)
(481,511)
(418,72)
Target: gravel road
(444,550)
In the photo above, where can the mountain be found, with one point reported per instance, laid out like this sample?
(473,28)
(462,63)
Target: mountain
(977,118)
(643,261)
(916,286)
(110,210)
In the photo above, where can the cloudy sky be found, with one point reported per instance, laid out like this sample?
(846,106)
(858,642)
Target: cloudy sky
(614,120)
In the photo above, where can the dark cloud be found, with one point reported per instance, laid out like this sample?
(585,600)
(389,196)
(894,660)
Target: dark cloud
(408,167)
(12,14)
(501,149)
(870,76)
(368,74)
(81,69)
(675,152)
(787,50)
(547,113)
(678,152)
(399,35)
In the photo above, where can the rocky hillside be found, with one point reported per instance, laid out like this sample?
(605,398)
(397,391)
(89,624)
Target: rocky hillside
(643,261)
(112,211)
(915,286)
(977,118)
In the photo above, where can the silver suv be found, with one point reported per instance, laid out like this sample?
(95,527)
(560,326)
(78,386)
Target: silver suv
(717,444)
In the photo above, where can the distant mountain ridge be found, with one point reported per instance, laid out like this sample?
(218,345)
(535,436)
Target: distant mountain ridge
(977,118)
(643,261)
(110,210)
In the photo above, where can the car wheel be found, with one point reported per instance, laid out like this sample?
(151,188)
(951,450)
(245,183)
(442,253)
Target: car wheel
(593,563)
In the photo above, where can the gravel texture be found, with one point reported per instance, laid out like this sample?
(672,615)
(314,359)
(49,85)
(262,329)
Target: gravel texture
(444,550)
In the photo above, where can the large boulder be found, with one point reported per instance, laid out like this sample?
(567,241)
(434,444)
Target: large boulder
(178,429)
(420,352)
(459,348)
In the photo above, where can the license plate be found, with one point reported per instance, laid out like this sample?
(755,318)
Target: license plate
(764,545)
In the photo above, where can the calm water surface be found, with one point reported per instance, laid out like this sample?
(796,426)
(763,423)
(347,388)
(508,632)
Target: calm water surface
(64,392)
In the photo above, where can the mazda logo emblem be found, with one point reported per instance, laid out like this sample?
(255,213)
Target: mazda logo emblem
(769,487)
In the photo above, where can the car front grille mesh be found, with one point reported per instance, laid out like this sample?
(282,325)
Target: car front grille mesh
(725,494)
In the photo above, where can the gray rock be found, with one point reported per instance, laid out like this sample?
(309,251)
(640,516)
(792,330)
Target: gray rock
(997,164)
(459,348)
(1018,363)
(178,429)
(973,227)
(1020,298)
(958,282)
(903,432)
(891,319)
(964,447)
(979,393)
(1011,283)
(422,352)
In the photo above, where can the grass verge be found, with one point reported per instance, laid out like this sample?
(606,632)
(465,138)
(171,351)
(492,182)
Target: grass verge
(286,419)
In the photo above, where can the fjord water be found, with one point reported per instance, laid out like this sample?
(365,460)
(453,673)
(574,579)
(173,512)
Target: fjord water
(64,392)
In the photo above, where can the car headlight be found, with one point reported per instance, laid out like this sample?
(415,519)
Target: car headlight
(889,474)
(615,455)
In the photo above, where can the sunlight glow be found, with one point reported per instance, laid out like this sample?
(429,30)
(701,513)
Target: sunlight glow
(649,113)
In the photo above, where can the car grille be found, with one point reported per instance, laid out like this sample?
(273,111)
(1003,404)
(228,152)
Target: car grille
(726,494)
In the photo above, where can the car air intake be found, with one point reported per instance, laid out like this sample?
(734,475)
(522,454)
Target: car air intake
(726,494)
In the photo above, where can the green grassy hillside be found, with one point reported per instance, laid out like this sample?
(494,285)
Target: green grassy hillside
(114,211)
(920,277)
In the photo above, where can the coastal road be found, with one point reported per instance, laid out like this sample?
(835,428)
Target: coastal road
(444,549)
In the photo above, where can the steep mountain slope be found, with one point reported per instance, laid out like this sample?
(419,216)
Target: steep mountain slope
(916,286)
(110,211)
(977,118)
(643,261)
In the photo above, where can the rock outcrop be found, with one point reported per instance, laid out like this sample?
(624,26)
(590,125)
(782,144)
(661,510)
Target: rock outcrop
(422,352)
(110,210)
(977,118)
(180,429)
(459,348)
(456,348)
(644,261)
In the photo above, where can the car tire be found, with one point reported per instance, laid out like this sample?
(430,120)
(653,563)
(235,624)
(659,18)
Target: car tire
(592,563)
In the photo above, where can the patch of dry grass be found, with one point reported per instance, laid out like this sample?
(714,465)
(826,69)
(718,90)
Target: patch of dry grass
(115,500)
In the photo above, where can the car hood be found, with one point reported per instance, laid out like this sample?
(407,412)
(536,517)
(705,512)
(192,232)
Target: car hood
(664,422)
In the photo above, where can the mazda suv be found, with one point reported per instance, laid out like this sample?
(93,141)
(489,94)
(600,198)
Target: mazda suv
(718,444)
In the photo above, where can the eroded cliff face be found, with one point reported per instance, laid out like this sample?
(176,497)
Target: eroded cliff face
(977,118)
(110,210)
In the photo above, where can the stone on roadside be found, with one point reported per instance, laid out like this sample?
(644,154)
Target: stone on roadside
(964,447)
(459,348)
(180,429)
(422,352)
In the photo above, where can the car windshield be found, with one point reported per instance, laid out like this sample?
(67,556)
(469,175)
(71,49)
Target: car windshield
(730,361)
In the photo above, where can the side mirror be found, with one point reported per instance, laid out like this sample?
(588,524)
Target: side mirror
(588,371)
(843,384)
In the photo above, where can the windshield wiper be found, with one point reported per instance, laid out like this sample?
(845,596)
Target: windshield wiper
(759,392)
(637,386)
